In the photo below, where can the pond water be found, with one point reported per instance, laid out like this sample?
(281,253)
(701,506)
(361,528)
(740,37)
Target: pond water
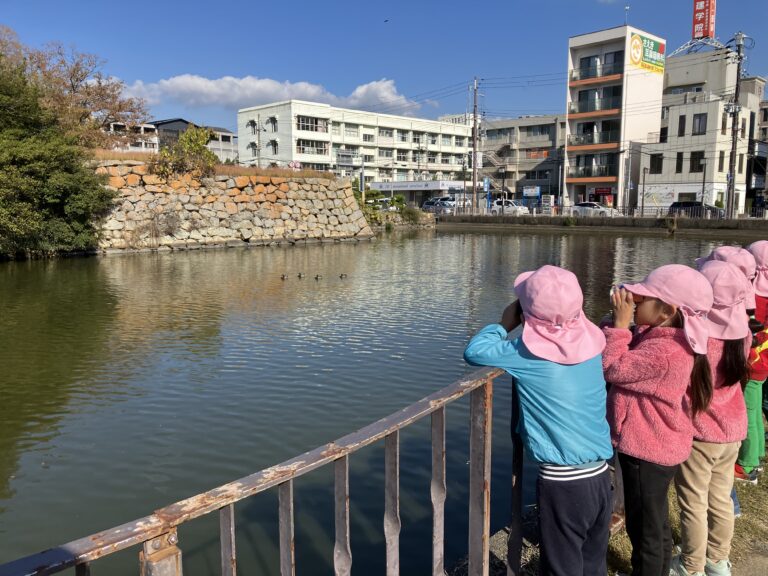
(131,382)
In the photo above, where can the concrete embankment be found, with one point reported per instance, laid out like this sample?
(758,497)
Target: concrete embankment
(151,212)
(684,226)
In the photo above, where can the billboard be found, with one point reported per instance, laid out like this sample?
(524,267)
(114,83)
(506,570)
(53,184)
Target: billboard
(531,191)
(647,53)
(704,18)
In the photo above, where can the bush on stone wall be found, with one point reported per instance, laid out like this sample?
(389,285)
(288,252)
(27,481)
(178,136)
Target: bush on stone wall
(188,155)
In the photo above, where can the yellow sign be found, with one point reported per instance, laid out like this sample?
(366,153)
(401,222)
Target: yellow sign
(646,53)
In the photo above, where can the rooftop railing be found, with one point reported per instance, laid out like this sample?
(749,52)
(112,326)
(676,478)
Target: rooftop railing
(157,534)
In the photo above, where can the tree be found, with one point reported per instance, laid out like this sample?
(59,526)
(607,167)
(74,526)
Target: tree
(73,86)
(48,196)
(189,154)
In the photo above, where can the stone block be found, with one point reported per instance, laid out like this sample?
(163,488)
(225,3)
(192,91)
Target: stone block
(132,179)
(116,181)
(153,179)
(276,180)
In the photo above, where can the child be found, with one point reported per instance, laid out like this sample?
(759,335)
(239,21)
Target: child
(759,250)
(753,448)
(705,480)
(650,371)
(557,367)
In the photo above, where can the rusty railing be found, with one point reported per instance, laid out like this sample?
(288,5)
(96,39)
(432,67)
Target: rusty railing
(157,534)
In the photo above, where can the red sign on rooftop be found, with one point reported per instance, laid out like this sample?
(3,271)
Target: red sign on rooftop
(704,18)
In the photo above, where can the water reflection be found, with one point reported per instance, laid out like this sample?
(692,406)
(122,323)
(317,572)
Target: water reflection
(131,382)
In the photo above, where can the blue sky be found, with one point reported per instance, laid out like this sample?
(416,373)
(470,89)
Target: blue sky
(204,60)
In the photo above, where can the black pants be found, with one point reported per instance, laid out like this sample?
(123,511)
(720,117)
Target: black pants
(647,514)
(574,522)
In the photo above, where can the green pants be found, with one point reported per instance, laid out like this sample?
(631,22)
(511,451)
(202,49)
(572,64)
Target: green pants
(753,447)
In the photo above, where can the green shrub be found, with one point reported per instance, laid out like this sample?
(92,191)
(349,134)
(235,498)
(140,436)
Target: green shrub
(48,196)
(569,221)
(410,214)
(188,155)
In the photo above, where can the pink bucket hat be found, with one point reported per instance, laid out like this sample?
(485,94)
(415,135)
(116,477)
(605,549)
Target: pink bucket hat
(728,318)
(687,289)
(555,327)
(759,250)
(742,259)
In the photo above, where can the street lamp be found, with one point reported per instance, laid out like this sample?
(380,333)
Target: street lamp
(642,200)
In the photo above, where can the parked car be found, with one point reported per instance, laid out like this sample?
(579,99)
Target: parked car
(593,209)
(445,208)
(510,208)
(429,205)
(695,210)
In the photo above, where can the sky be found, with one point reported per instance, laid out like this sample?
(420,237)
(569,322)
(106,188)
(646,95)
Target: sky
(203,60)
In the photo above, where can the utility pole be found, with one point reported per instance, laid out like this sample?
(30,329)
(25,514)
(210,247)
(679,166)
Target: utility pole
(735,109)
(475,207)
(362,178)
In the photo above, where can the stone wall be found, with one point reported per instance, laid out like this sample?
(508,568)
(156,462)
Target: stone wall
(182,213)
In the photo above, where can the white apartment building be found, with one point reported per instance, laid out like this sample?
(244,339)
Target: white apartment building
(615,80)
(688,159)
(322,137)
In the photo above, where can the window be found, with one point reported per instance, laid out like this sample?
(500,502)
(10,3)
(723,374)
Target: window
(416,138)
(741,163)
(367,137)
(681,125)
(311,147)
(664,112)
(445,159)
(311,124)
(721,161)
(336,128)
(272,145)
(402,155)
(446,140)
(657,164)
(765,114)
(699,124)
(679,163)
(402,136)
(697,161)
(432,158)
(226,138)
(743,127)
(368,158)
(459,142)
(763,134)
(540,130)
(351,130)
(385,152)
(433,138)
(272,122)
(385,133)
(663,135)
(724,124)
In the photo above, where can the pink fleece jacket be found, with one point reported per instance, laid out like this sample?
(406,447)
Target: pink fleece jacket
(725,420)
(647,410)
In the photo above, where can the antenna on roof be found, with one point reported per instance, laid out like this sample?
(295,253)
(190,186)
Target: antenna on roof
(626,13)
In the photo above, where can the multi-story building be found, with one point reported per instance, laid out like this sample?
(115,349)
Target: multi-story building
(524,155)
(688,159)
(322,137)
(615,79)
(157,134)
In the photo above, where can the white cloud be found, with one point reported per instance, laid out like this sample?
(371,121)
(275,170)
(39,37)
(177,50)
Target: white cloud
(230,92)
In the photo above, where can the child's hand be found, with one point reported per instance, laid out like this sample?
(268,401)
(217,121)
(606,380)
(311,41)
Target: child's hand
(623,308)
(512,316)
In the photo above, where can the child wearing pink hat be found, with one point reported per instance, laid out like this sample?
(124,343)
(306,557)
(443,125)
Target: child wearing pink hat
(704,481)
(556,364)
(753,448)
(650,371)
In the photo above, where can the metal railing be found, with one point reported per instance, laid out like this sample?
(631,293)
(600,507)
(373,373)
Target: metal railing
(597,71)
(595,105)
(593,171)
(157,533)
(606,137)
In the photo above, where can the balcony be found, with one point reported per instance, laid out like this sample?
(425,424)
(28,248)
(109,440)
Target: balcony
(611,105)
(595,74)
(607,140)
(599,173)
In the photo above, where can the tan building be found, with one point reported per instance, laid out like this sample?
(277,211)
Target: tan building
(524,155)
(615,80)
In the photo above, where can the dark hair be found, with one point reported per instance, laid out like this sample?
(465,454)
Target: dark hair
(701,384)
(734,363)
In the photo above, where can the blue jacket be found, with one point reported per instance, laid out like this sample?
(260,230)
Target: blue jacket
(562,407)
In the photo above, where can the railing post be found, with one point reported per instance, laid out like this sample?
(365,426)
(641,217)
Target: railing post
(515,538)
(160,556)
(83,569)
(342,552)
(438,491)
(227,540)
(480,478)
(287,552)
(392,502)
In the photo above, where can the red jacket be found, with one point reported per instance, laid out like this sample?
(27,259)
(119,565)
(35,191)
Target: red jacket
(761,310)
(725,420)
(647,410)
(758,357)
